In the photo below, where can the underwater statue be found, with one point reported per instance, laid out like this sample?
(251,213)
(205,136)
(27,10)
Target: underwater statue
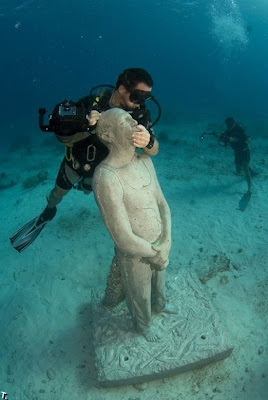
(138,219)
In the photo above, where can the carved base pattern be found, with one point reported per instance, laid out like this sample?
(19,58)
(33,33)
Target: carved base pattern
(191,339)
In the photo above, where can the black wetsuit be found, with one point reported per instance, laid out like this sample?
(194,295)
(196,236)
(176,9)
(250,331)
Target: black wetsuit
(241,150)
(240,146)
(82,157)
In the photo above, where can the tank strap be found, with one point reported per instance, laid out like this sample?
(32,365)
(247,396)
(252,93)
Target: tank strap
(69,152)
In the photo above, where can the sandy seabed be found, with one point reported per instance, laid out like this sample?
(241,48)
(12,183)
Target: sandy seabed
(46,336)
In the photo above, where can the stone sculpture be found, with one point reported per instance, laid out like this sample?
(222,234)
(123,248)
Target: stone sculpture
(138,219)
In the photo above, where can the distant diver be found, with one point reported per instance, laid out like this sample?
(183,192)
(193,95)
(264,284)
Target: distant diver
(237,138)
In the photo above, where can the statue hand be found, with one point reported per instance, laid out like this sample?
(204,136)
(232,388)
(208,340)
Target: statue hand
(162,246)
(160,260)
(161,266)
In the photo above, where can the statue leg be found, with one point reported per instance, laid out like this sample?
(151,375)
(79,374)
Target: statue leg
(158,291)
(159,301)
(136,279)
(114,293)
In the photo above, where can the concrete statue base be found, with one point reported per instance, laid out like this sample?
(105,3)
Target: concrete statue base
(191,339)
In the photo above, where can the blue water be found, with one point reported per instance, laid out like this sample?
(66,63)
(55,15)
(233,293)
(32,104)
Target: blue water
(208,59)
(205,56)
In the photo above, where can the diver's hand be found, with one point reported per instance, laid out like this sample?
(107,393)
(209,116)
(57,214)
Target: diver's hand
(93,117)
(141,137)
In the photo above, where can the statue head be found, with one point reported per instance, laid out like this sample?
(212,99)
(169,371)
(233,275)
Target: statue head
(115,128)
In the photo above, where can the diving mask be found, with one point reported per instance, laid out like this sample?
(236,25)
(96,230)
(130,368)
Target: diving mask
(139,96)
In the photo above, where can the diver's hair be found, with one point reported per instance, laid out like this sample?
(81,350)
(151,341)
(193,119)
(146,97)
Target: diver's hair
(130,77)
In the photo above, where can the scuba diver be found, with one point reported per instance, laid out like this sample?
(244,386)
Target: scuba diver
(83,150)
(237,138)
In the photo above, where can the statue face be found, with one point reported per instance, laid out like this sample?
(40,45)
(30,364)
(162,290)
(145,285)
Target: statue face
(127,123)
(116,126)
(123,131)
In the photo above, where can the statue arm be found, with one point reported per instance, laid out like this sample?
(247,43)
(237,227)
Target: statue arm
(109,196)
(162,204)
(163,244)
(166,218)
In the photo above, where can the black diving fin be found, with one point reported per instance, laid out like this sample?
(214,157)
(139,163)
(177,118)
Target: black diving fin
(29,232)
(244,201)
